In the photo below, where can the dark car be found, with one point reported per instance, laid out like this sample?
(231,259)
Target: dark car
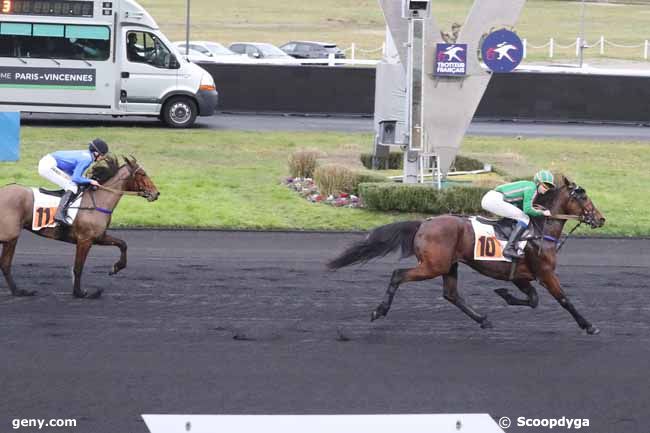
(312,50)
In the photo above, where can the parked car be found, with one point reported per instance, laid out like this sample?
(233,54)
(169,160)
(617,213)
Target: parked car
(263,52)
(312,50)
(205,51)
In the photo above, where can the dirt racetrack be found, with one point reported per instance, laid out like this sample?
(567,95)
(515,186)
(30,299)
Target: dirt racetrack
(237,323)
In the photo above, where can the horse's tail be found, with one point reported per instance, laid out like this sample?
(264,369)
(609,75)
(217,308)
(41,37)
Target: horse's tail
(378,243)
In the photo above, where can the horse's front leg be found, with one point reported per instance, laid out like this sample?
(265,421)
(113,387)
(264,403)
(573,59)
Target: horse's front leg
(552,284)
(83,247)
(108,240)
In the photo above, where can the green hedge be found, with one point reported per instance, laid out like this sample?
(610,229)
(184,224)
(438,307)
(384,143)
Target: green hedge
(396,161)
(421,198)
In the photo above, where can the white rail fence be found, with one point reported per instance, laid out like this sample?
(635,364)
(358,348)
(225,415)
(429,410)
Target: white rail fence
(353,51)
(601,43)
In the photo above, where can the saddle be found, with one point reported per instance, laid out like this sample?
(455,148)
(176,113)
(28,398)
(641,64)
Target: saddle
(502,226)
(52,192)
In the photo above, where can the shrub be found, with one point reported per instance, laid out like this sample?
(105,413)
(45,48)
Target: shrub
(303,163)
(421,198)
(366,177)
(395,161)
(465,163)
(333,179)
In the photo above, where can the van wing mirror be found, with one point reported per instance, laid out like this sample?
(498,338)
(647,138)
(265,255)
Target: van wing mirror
(173,63)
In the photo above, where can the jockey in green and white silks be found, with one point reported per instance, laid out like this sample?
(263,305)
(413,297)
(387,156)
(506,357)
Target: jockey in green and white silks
(515,200)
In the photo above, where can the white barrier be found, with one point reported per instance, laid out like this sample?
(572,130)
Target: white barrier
(443,423)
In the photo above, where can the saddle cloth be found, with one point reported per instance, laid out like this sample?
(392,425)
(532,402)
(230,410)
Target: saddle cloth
(491,237)
(45,206)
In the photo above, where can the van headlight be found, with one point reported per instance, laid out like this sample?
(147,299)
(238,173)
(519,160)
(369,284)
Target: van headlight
(207,83)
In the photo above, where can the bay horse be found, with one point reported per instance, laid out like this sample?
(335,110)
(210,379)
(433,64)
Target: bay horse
(89,228)
(440,243)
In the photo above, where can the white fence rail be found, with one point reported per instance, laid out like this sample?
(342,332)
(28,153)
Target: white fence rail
(552,46)
(601,43)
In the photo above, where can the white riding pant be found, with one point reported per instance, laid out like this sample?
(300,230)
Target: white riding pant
(493,202)
(47,168)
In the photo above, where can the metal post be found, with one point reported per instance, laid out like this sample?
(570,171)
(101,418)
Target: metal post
(187,27)
(602,45)
(525,43)
(646,49)
(550,48)
(352,51)
(582,33)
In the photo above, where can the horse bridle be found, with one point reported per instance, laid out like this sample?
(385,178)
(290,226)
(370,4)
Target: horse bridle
(140,193)
(588,215)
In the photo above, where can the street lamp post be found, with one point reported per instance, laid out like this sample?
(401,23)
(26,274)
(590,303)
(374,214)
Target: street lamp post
(187,27)
(582,33)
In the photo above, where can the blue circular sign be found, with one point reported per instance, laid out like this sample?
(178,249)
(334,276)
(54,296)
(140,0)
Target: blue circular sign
(502,51)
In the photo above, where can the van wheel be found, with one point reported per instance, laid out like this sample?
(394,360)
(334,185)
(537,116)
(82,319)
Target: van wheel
(179,112)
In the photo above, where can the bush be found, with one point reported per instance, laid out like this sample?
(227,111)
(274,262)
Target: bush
(303,163)
(421,198)
(366,177)
(333,179)
(464,163)
(395,161)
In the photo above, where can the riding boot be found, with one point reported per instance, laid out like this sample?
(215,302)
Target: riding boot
(511,250)
(62,211)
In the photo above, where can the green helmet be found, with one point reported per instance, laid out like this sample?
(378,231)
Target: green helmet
(544,176)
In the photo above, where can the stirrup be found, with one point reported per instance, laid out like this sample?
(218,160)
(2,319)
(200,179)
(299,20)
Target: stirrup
(513,253)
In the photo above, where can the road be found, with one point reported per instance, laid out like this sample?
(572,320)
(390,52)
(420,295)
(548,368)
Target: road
(245,322)
(252,122)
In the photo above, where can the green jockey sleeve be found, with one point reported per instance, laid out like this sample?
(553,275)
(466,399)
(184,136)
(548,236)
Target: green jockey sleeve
(520,194)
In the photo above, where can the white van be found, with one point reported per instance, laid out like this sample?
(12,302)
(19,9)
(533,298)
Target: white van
(96,57)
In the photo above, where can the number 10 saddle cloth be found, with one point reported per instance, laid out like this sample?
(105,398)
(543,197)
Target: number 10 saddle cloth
(45,205)
(491,237)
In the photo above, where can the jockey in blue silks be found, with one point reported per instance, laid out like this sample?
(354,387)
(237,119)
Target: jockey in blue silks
(66,169)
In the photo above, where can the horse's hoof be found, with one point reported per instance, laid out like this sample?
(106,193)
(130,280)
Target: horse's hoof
(24,293)
(592,330)
(80,294)
(502,293)
(96,295)
(486,324)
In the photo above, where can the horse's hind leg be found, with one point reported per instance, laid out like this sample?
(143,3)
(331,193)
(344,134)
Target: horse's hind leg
(8,250)
(450,292)
(525,286)
(400,276)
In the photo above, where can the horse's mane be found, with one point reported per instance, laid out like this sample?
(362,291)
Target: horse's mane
(106,169)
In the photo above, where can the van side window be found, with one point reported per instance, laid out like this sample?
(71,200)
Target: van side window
(54,41)
(144,47)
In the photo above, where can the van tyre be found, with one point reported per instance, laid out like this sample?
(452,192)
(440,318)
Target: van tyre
(179,112)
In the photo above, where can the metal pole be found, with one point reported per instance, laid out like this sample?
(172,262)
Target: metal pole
(582,33)
(187,27)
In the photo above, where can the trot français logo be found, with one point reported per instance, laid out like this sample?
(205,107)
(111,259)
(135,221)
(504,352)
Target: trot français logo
(502,51)
(451,60)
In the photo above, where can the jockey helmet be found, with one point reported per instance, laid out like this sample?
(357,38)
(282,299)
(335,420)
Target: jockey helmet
(544,176)
(98,145)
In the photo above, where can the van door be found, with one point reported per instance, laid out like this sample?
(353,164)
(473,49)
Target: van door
(149,71)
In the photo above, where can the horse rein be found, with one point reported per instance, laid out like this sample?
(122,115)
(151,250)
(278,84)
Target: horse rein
(119,192)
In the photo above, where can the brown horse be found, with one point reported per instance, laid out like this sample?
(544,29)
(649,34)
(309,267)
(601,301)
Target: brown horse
(93,218)
(442,242)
